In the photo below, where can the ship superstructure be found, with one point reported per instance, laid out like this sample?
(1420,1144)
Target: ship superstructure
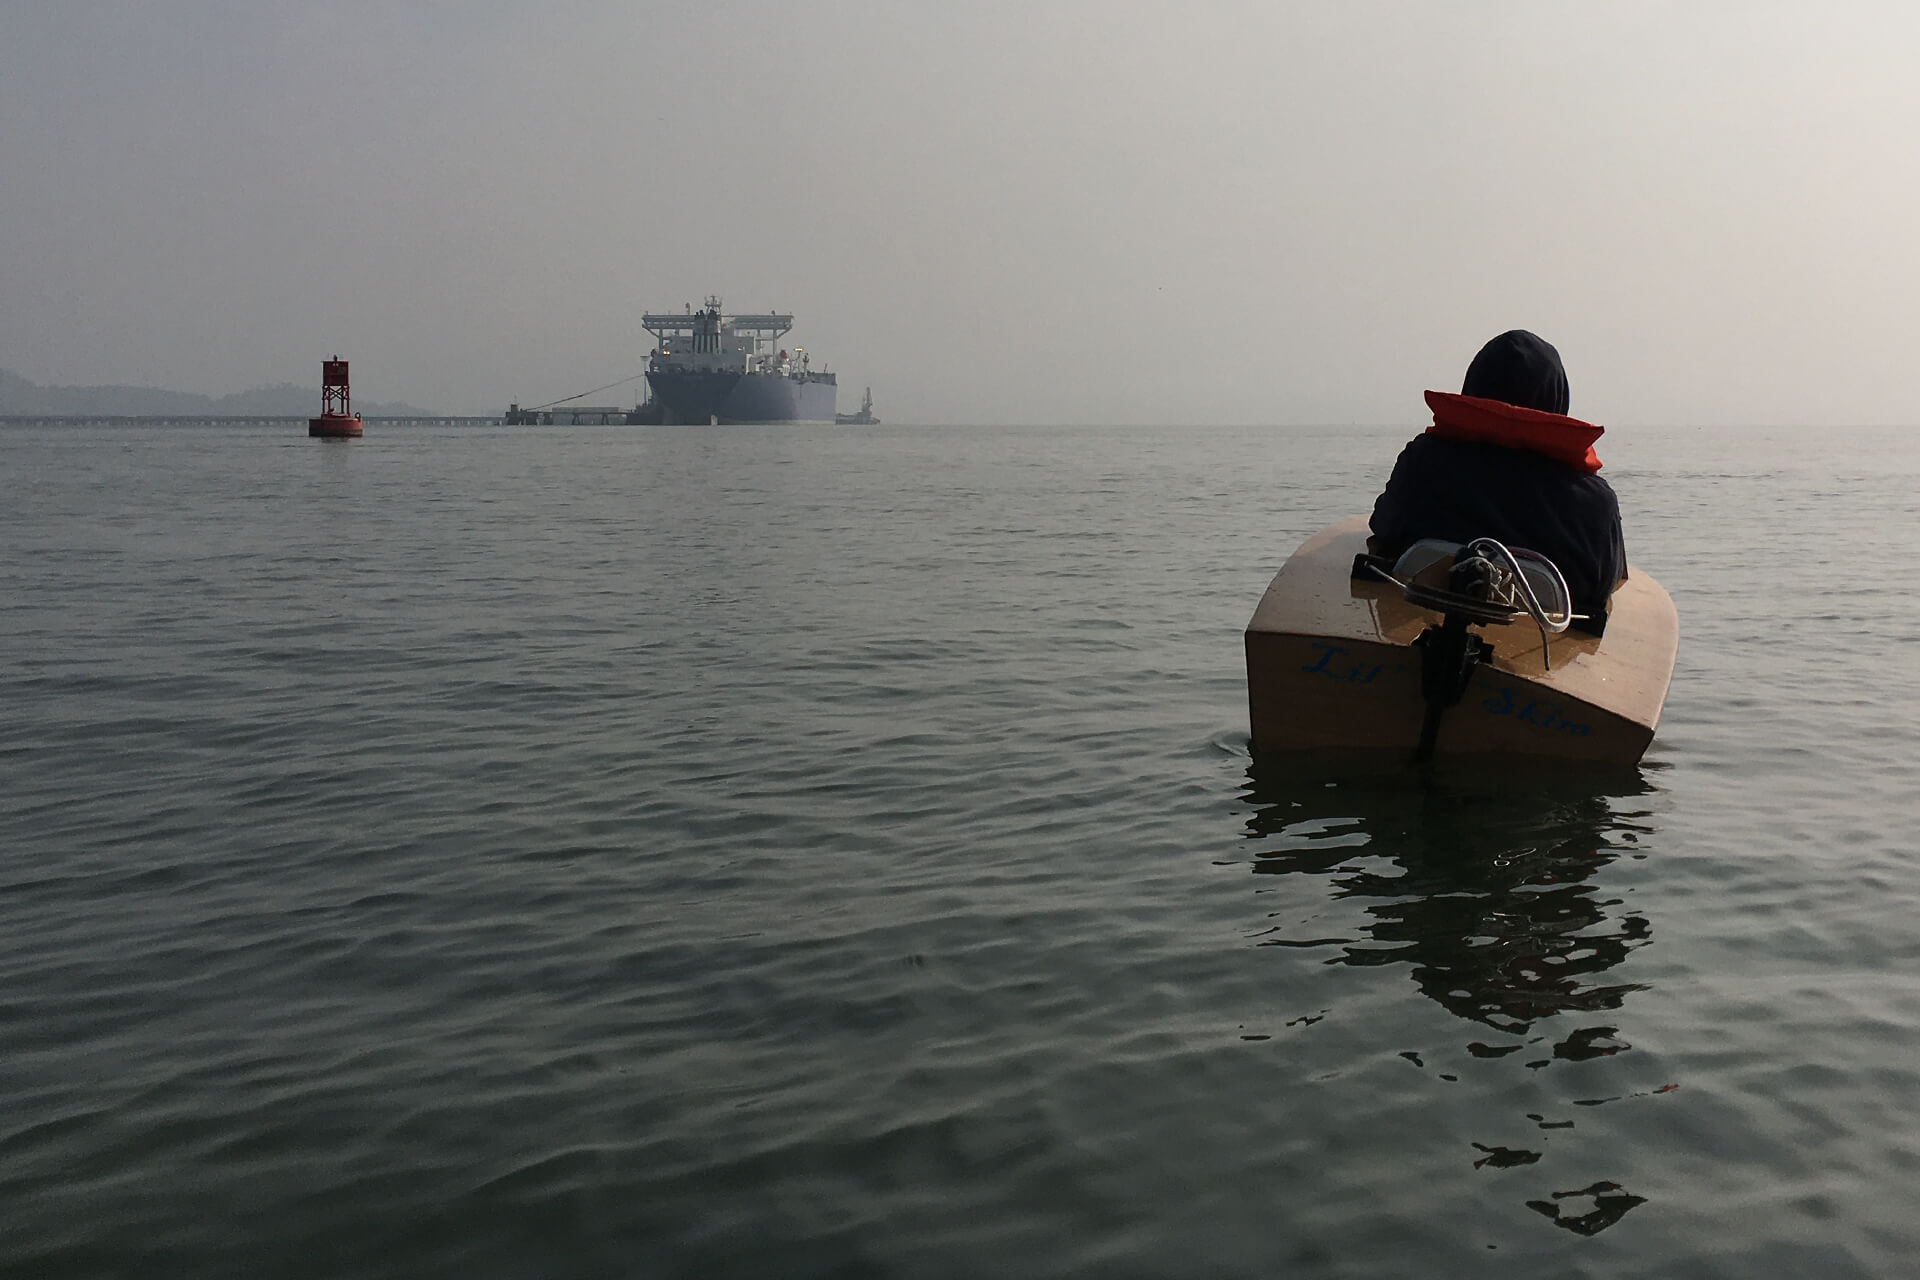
(709,367)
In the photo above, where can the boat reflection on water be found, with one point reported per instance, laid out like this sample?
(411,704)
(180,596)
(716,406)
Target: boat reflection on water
(1485,883)
(1481,880)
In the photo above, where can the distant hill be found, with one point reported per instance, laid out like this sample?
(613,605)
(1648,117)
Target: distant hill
(18,396)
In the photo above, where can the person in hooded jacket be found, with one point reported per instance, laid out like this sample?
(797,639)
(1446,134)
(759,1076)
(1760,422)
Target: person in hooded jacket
(1503,460)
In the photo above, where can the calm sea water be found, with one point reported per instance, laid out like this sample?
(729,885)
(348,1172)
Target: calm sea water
(814,852)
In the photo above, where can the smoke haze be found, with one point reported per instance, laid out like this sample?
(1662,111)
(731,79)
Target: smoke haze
(1075,211)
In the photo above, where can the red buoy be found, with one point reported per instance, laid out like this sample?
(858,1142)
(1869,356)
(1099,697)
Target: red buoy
(337,421)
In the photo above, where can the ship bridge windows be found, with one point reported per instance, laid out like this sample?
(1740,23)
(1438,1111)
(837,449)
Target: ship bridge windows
(709,339)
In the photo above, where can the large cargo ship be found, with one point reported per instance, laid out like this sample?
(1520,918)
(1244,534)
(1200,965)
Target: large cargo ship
(712,368)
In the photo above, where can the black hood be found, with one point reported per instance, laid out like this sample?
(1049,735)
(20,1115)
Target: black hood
(1519,368)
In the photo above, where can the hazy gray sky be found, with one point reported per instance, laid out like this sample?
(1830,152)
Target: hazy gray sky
(1079,210)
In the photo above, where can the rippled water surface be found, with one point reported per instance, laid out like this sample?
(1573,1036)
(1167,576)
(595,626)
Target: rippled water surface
(814,852)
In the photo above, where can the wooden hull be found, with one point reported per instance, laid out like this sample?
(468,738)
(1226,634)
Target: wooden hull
(1330,665)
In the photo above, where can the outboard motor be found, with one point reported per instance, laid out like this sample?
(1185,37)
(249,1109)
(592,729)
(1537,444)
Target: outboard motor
(1480,583)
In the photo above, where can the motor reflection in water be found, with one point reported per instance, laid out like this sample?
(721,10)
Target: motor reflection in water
(1484,884)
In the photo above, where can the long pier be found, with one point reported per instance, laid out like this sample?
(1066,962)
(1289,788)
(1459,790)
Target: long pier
(230,420)
(578,415)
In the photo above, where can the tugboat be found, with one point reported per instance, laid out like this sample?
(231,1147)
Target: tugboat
(1347,652)
(337,421)
(864,418)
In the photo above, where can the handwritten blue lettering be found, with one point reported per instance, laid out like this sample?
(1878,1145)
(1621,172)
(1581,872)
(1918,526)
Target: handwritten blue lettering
(1354,672)
(1506,703)
(1332,651)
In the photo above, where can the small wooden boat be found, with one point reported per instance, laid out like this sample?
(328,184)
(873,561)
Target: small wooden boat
(1337,661)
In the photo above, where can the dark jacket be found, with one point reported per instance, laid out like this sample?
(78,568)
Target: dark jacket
(1459,490)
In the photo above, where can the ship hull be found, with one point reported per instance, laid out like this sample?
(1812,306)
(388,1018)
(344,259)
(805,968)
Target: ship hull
(700,398)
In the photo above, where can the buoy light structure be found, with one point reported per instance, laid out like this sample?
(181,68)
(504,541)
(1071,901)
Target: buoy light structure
(337,421)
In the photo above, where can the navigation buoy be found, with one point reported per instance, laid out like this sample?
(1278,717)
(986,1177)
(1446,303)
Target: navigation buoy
(337,421)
